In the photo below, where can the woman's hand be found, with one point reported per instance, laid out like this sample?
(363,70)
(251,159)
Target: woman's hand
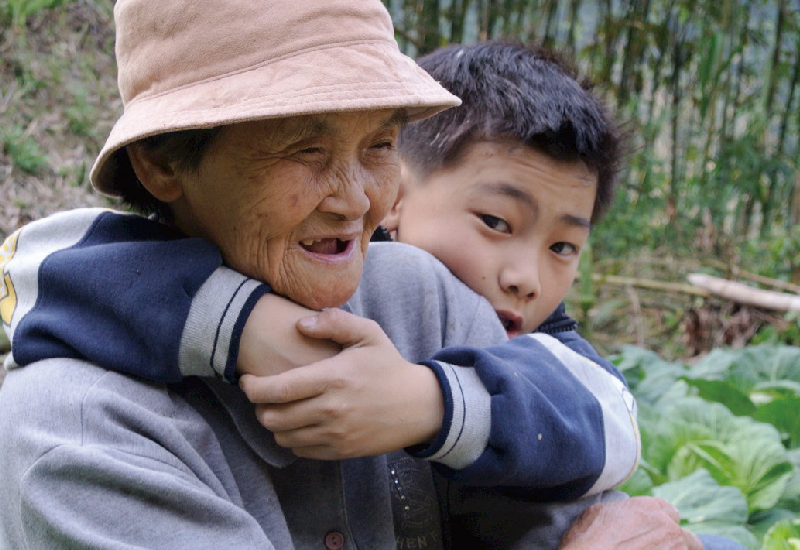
(637,523)
(367,400)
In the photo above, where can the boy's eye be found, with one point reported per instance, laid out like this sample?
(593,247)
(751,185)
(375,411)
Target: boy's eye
(564,249)
(495,223)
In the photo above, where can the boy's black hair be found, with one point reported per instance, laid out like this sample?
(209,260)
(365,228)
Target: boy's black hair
(520,93)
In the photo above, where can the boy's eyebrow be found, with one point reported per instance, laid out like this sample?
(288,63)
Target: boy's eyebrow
(515,193)
(527,199)
(569,219)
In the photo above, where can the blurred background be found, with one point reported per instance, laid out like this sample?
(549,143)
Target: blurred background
(708,92)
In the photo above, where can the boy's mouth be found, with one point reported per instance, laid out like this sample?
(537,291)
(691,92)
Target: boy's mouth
(511,322)
(328,247)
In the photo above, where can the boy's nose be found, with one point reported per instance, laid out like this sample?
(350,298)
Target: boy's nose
(521,280)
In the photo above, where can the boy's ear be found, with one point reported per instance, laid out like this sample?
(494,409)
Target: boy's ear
(156,175)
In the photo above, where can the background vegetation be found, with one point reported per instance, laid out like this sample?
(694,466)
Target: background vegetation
(708,90)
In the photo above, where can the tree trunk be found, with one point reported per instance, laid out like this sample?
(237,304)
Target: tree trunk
(551,27)
(458,14)
(429,26)
(772,175)
(574,13)
(672,198)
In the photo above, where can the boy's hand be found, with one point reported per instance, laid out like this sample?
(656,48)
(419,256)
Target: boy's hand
(367,400)
(270,341)
(637,523)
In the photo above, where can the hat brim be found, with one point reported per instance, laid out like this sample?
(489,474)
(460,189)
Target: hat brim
(358,76)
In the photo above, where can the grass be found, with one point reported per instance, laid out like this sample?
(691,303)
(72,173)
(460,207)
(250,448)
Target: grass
(58,100)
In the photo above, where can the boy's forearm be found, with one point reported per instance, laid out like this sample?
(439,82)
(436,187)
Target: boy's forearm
(548,402)
(130,294)
(271,343)
(126,293)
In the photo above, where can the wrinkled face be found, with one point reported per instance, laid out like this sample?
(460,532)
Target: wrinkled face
(293,201)
(508,221)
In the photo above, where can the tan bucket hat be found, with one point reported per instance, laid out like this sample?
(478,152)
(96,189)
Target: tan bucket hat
(185,64)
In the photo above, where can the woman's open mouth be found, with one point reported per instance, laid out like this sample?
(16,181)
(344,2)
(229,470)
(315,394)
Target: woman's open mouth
(326,247)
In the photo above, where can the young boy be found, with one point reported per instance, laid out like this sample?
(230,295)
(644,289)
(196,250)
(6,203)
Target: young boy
(505,188)
(517,210)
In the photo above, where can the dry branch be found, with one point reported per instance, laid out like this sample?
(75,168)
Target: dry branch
(650,284)
(745,294)
(756,278)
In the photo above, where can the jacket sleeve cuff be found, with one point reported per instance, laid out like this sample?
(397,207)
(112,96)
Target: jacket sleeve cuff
(219,310)
(467,418)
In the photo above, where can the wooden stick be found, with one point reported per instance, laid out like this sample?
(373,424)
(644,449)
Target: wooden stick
(760,279)
(745,294)
(650,284)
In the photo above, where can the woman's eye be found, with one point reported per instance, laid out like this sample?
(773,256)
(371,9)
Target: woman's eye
(495,223)
(310,150)
(564,249)
(383,145)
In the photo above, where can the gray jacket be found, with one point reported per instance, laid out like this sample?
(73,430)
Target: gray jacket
(96,459)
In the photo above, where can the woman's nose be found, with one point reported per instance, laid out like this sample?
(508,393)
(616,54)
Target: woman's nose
(348,198)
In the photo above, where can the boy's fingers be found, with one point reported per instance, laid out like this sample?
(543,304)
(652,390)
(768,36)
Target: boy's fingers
(340,326)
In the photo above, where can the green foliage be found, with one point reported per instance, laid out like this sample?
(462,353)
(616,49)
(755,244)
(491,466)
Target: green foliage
(784,535)
(772,334)
(721,439)
(23,150)
(784,247)
(18,11)
(708,507)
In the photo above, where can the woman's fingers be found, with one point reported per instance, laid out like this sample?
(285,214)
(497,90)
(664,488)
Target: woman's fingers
(638,523)
(342,327)
(287,387)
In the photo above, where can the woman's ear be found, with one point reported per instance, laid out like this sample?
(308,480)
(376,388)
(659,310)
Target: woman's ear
(157,176)
(391,222)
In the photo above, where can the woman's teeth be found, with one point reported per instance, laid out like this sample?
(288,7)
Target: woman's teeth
(324,246)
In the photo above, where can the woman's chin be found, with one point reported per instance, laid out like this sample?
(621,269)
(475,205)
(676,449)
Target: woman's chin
(323,293)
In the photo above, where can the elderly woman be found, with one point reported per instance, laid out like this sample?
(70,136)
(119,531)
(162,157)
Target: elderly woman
(266,132)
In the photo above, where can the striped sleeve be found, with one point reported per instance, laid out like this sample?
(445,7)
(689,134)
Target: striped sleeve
(561,425)
(620,428)
(124,292)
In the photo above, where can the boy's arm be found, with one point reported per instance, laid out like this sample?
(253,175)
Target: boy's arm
(155,325)
(547,403)
(563,328)
(124,292)
(513,411)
